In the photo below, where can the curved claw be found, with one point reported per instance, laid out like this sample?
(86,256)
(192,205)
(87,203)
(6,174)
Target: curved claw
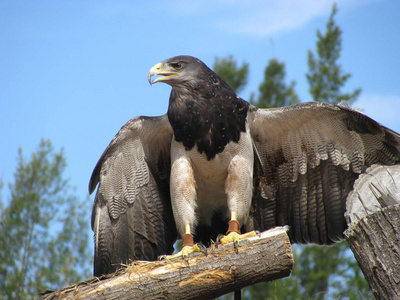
(236,246)
(219,237)
(186,258)
(202,248)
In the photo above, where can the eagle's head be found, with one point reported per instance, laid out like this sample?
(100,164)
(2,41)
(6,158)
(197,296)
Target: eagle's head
(180,70)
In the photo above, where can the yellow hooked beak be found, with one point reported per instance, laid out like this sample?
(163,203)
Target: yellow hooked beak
(160,69)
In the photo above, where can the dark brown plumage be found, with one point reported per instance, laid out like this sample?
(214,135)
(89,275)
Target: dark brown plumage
(309,156)
(209,116)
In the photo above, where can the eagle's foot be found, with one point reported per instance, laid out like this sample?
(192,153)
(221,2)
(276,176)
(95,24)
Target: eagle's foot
(186,250)
(233,235)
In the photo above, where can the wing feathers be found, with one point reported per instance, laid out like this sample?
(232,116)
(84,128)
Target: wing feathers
(311,155)
(132,215)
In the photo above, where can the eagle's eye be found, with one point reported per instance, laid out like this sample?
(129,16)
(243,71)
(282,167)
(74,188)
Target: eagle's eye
(176,66)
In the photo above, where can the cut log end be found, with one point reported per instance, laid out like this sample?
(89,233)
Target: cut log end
(373,234)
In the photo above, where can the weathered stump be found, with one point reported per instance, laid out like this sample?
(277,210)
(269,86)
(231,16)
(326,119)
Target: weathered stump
(262,258)
(373,217)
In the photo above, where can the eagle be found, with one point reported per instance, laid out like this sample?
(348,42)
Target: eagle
(216,164)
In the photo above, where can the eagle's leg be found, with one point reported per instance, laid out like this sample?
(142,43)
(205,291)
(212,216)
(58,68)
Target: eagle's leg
(184,196)
(239,189)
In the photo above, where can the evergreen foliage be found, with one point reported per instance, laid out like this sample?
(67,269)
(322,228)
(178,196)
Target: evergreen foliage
(231,73)
(326,77)
(273,90)
(44,228)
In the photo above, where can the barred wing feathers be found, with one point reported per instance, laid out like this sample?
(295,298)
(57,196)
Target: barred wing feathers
(132,216)
(311,154)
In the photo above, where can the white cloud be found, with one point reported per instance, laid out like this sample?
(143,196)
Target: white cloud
(261,18)
(384,109)
(256,18)
(269,17)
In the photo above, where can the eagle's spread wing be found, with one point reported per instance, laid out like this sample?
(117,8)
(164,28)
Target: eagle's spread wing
(132,217)
(311,153)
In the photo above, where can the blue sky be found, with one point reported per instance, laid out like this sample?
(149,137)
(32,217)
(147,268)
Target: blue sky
(74,72)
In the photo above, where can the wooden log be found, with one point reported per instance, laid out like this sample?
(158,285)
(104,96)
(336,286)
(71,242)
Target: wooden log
(373,234)
(262,258)
(378,187)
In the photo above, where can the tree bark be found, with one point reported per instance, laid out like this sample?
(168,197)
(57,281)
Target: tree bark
(373,217)
(262,258)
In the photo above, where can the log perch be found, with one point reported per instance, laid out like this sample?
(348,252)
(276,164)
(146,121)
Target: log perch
(262,258)
(373,217)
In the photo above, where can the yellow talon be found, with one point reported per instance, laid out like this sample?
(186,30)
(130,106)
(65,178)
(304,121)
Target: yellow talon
(229,238)
(234,237)
(186,250)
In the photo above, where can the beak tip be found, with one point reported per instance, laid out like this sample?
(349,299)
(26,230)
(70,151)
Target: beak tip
(153,71)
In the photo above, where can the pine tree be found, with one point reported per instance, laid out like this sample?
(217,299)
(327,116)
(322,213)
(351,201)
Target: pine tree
(44,229)
(326,77)
(234,76)
(273,90)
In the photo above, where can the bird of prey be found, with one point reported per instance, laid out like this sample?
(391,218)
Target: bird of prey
(214,164)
